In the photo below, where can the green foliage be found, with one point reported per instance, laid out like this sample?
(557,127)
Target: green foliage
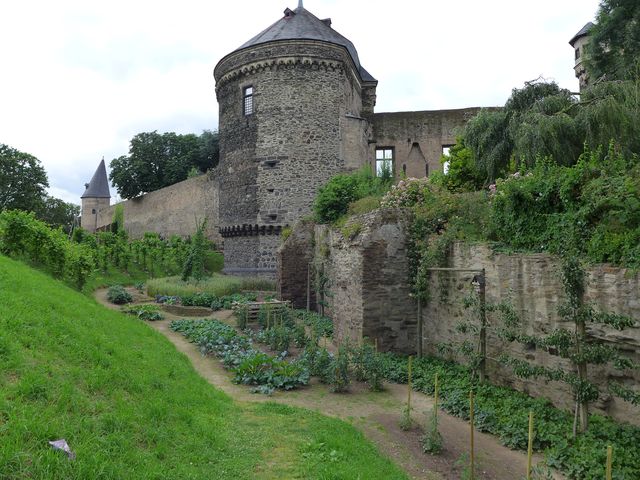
(364,205)
(58,213)
(334,198)
(368,366)
(150,313)
(133,407)
(503,412)
(613,50)
(24,237)
(337,374)
(593,207)
(463,175)
(217,285)
(406,421)
(23,180)
(118,295)
(117,222)
(432,439)
(440,217)
(321,326)
(250,366)
(194,264)
(159,160)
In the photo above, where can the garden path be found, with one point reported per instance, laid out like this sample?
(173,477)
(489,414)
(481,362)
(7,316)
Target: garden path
(375,414)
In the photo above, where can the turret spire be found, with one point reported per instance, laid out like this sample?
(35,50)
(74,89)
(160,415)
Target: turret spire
(300,5)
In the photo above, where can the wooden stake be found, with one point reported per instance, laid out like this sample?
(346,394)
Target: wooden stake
(420,328)
(609,470)
(435,403)
(409,386)
(308,287)
(471,456)
(530,447)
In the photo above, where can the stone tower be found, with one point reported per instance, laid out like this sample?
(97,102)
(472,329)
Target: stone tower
(578,42)
(95,198)
(295,106)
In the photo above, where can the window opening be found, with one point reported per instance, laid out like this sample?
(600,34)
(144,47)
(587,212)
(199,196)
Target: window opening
(384,161)
(248,101)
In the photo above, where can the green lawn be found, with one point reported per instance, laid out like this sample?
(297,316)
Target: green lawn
(130,406)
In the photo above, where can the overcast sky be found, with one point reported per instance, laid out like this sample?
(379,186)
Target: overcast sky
(78,79)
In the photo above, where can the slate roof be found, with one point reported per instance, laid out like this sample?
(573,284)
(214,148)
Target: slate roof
(98,187)
(300,24)
(583,32)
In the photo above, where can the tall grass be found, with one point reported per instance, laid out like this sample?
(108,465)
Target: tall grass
(217,285)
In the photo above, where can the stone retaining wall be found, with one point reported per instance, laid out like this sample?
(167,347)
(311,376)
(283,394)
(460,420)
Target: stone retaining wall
(368,296)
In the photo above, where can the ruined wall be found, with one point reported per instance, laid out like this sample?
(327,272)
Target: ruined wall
(418,137)
(369,297)
(172,210)
(295,260)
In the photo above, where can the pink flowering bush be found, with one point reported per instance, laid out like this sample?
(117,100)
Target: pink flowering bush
(407,193)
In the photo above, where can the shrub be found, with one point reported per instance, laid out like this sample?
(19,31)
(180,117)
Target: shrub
(337,373)
(432,439)
(118,295)
(368,366)
(334,198)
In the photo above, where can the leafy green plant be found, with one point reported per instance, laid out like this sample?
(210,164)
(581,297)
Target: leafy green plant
(368,366)
(150,313)
(118,295)
(432,439)
(337,373)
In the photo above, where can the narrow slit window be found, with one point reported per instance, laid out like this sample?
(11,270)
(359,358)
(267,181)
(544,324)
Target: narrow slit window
(248,101)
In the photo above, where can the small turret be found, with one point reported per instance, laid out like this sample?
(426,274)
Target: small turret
(578,42)
(95,198)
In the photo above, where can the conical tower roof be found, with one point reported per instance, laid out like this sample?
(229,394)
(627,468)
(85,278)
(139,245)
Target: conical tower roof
(98,187)
(300,24)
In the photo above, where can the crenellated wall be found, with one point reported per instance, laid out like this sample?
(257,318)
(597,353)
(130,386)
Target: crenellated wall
(368,288)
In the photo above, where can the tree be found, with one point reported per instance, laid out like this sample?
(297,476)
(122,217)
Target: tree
(58,213)
(23,180)
(533,123)
(158,160)
(462,175)
(614,47)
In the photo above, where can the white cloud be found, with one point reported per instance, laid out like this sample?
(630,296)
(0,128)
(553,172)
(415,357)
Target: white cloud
(80,78)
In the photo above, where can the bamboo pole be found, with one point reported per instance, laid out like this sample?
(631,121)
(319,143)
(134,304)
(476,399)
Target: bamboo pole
(530,447)
(435,394)
(609,470)
(471,456)
(409,386)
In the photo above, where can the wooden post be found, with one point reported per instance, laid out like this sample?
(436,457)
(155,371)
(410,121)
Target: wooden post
(435,394)
(483,327)
(419,349)
(471,456)
(530,447)
(308,287)
(409,386)
(609,470)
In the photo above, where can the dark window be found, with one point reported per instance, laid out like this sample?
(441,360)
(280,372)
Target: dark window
(93,211)
(248,100)
(577,53)
(426,169)
(384,160)
(404,169)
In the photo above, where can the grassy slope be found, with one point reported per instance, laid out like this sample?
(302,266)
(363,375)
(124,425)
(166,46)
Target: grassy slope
(130,406)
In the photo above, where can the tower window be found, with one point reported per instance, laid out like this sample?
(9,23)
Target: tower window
(384,161)
(93,211)
(247,101)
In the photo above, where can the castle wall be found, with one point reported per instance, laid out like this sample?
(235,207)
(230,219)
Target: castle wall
(369,297)
(173,210)
(418,137)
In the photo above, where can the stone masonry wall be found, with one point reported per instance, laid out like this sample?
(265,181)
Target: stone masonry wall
(369,297)
(295,260)
(172,210)
(367,272)
(532,284)
(418,137)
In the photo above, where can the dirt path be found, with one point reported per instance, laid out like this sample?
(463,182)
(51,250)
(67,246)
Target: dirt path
(375,414)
